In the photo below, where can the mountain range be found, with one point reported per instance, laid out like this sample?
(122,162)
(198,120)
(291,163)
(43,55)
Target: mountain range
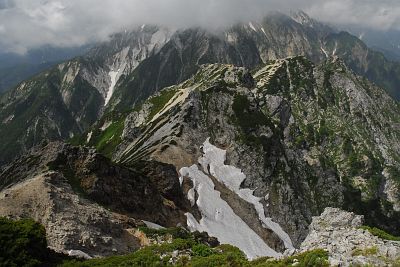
(246,134)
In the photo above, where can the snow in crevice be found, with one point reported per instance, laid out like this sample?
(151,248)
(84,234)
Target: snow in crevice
(263,30)
(113,75)
(89,136)
(213,160)
(335,49)
(219,220)
(325,52)
(152,225)
(252,26)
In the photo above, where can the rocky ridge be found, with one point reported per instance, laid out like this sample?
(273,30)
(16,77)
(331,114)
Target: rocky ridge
(339,233)
(87,203)
(119,74)
(288,120)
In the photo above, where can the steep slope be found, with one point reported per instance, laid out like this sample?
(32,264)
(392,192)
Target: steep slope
(64,101)
(54,105)
(348,243)
(16,68)
(249,45)
(118,75)
(366,62)
(87,203)
(306,137)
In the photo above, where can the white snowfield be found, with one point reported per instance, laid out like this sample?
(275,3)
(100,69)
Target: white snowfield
(214,160)
(218,218)
(113,76)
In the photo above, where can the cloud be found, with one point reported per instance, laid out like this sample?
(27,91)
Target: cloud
(4,4)
(27,24)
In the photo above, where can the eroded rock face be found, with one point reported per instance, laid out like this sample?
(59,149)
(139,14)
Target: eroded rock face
(299,135)
(72,223)
(339,233)
(86,202)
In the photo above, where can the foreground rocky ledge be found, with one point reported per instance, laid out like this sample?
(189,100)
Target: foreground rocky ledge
(340,233)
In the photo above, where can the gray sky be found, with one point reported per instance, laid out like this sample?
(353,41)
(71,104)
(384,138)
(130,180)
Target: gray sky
(26,24)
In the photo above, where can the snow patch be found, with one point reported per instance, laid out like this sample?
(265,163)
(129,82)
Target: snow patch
(153,225)
(8,119)
(106,125)
(89,136)
(113,75)
(325,52)
(262,29)
(334,51)
(252,27)
(219,220)
(213,161)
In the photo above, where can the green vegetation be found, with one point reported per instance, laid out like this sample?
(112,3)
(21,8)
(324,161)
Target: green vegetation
(110,137)
(380,233)
(23,243)
(105,141)
(365,252)
(313,258)
(159,101)
(195,252)
(248,119)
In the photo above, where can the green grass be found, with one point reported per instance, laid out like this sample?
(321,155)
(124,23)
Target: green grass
(199,254)
(23,243)
(313,258)
(158,102)
(380,233)
(110,137)
(365,252)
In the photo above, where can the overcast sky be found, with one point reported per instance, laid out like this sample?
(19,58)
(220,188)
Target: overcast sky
(26,24)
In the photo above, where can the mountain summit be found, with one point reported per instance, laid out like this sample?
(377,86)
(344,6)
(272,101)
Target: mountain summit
(269,136)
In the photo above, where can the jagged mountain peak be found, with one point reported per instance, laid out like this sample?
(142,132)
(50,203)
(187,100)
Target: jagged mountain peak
(261,143)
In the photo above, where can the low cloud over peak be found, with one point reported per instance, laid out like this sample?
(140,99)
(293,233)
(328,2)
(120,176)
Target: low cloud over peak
(26,24)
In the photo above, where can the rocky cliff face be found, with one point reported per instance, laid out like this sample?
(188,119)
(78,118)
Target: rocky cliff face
(88,203)
(340,233)
(305,136)
(118,75)
(247,151)
(67,99)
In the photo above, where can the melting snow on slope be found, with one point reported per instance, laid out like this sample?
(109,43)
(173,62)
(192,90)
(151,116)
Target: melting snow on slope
(219,220)
(113,76)
(252,27)
(89,136)
(262,29)
(213,160)
(325,52)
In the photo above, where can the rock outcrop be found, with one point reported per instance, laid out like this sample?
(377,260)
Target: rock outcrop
(339,233)
(306,136)
(86,202)
(72,222)
(133,65)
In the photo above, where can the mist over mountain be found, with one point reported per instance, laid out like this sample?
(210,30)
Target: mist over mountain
(214,133)
(15,68)
(26,25)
